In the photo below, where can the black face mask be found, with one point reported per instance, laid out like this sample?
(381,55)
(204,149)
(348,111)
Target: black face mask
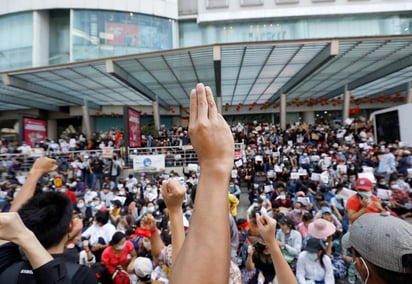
(260,247)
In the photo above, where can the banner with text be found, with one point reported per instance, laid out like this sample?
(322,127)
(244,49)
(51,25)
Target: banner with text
(149,163)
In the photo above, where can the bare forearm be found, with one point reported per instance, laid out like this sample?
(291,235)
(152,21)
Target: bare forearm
(35,252)
(178,233)
(27,190)
(282,268)
(209,231)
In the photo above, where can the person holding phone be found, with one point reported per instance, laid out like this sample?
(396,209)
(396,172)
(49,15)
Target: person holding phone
(363,201)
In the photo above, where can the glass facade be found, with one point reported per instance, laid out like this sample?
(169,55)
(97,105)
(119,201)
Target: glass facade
(192,34)
(104,34)
(59,45)
(17,41)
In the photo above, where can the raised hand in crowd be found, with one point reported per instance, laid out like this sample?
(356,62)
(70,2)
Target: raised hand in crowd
(267,229)
(40,167)
(173,193)
(205,254)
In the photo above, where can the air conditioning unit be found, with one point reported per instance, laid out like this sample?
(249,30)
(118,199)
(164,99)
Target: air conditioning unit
(286,1)
(251,2)
(211,4)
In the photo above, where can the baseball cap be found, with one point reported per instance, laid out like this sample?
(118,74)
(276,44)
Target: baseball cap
(143,268)
(390,240)
(326,209)
(364,184)
(286,220)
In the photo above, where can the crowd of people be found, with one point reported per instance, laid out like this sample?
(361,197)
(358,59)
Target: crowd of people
(312,192)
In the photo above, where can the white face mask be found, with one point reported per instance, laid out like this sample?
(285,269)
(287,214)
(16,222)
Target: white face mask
(150,209)
(312,256)
(121,247)
(122,193)
(80,205)
(135,190)
(146,245)
(366,194)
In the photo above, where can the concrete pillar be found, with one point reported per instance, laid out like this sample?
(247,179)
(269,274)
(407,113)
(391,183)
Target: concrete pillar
(309,117)
(346,104)
(283,111)
(409,93)
(41,33)
(156,115)
(219,105)
(52,129)
(86,120)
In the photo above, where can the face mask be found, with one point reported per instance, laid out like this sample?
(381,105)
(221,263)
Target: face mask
(358,274)
(297,210)
(62,190)
(312,256)
(263,197)
(134,190)
(121,193)
(121,247)
(365,194)
(80,205)
(44,189)
(146,245)
(150,209)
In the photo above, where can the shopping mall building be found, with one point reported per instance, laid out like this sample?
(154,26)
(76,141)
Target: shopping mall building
(80,62)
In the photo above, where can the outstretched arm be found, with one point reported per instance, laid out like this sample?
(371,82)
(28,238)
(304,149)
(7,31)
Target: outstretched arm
(267,228)
(205,254)
(173,194)
(40,167)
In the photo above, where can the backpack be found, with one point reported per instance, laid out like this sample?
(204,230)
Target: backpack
(21,272)
(120,276)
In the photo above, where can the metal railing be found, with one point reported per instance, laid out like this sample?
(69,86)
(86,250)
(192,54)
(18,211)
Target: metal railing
(175,156)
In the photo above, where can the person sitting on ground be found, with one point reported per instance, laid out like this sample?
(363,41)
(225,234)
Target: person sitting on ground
(364,201)
(314,265)
(120,254)
(289,240)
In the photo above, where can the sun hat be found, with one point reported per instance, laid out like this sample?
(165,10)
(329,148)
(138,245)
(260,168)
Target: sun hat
(313,245)
(381,239)
(321,229)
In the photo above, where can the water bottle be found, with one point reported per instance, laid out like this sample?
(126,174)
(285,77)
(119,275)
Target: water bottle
(351,273)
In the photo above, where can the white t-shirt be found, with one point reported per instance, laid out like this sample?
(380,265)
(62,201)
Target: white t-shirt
(95,232)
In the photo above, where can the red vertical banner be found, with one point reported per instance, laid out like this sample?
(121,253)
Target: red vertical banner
(34,131)
(133,123)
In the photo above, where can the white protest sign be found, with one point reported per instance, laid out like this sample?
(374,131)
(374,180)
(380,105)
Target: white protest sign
(345,193)
(107,152)
(258,158)
(192,167)
(315,177)
(234,174)
(278,169)
(368,175)
(270,174)
(384,194)
(294,175)
(302,172)
(342,169)
(238,163)
(268,188)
